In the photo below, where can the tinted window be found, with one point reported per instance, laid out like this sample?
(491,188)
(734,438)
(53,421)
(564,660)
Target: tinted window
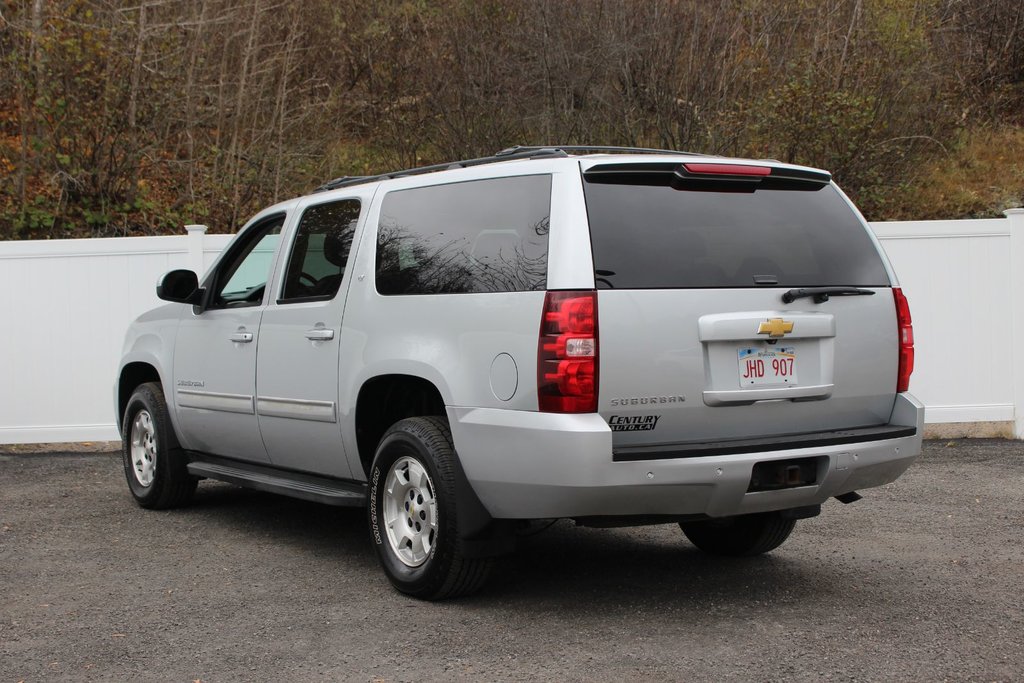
(242,276)
(478,236)
(320,252)
(654,234)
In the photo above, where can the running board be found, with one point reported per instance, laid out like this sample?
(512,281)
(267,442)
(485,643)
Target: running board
(294,484)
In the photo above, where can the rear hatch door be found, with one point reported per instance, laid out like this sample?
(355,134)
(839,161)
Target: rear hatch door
(699,340)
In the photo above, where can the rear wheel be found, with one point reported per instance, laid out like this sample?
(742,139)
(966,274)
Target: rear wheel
(153,461)
(413,515)
(742,536)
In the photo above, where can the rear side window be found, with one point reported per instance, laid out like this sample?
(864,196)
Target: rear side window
(478,236)
(658,234)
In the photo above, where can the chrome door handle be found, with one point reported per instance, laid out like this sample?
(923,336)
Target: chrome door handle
(241,337)
(319,334)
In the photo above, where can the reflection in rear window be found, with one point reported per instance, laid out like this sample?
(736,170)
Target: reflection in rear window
(657,236)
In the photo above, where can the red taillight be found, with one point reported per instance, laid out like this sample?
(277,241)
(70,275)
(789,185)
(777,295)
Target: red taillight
(905,330)
(567,353)
(727,169)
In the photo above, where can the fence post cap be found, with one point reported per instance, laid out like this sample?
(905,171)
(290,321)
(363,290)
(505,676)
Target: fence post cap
(196,228)
(1013,212)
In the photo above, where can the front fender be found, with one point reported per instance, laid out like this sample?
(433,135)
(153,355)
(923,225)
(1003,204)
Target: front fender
(149,341)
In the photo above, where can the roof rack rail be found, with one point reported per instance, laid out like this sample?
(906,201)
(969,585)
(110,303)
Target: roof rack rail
(517,152)
(342,181)
(506,155)
(597,149)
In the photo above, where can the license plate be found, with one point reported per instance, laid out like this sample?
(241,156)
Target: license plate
(767,366)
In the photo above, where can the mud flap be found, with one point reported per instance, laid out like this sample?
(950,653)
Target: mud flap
(481,534)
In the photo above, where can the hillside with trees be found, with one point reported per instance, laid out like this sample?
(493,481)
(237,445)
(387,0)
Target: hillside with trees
(131,118)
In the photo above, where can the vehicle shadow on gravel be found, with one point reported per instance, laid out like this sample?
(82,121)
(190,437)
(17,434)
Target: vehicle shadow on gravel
(332,533)
(582,570)
(565,567)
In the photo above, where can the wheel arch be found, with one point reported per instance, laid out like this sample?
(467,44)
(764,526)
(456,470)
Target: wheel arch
(133,374)
(384,400)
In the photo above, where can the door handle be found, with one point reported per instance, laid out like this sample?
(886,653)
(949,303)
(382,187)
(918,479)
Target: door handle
(241,337)
(319,334)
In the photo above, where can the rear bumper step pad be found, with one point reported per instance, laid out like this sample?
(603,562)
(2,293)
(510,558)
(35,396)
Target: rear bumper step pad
(762,445)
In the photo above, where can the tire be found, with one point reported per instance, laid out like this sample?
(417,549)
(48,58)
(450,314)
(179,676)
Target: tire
(412,513)
(743,536)
(154,462)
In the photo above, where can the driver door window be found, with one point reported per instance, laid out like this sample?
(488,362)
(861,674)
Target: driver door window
(243,278)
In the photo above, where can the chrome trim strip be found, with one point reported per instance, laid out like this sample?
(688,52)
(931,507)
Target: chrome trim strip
(296,409)
(743,326)
(208,400)
(810,392)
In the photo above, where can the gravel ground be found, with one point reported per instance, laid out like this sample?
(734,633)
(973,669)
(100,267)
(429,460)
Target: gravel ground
(920,581)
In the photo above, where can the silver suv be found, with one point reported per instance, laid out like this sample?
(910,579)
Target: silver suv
(617,336)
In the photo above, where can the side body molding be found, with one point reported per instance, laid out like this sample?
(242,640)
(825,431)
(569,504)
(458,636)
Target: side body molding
(208,400)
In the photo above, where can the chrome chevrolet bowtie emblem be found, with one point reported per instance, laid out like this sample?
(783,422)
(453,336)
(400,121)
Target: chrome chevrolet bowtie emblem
(775,327)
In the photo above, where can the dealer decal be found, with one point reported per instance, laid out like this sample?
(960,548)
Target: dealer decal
(633,423)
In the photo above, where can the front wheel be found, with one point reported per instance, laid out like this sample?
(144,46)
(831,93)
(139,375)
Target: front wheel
(743,536)
(153,461)
(413,515)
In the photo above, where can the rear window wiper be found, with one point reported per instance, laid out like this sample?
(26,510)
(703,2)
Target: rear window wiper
(821,294)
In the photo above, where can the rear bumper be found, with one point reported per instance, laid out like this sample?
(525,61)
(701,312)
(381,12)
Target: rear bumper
(528,465)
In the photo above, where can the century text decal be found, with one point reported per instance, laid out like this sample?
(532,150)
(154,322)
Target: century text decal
(633,423)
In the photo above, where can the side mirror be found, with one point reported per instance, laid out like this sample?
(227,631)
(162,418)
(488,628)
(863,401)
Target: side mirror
(180,287)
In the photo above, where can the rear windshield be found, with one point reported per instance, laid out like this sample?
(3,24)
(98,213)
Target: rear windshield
(655,233)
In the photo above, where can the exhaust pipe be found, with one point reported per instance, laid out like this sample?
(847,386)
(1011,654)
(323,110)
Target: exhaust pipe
(847,498)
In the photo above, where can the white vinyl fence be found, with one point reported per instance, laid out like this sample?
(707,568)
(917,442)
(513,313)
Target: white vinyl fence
(65,305)
(64,309)
(965,283)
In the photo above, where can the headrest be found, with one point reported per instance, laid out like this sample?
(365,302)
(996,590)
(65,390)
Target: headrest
(336,244)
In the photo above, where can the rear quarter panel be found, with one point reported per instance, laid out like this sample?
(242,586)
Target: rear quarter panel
(452,340)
